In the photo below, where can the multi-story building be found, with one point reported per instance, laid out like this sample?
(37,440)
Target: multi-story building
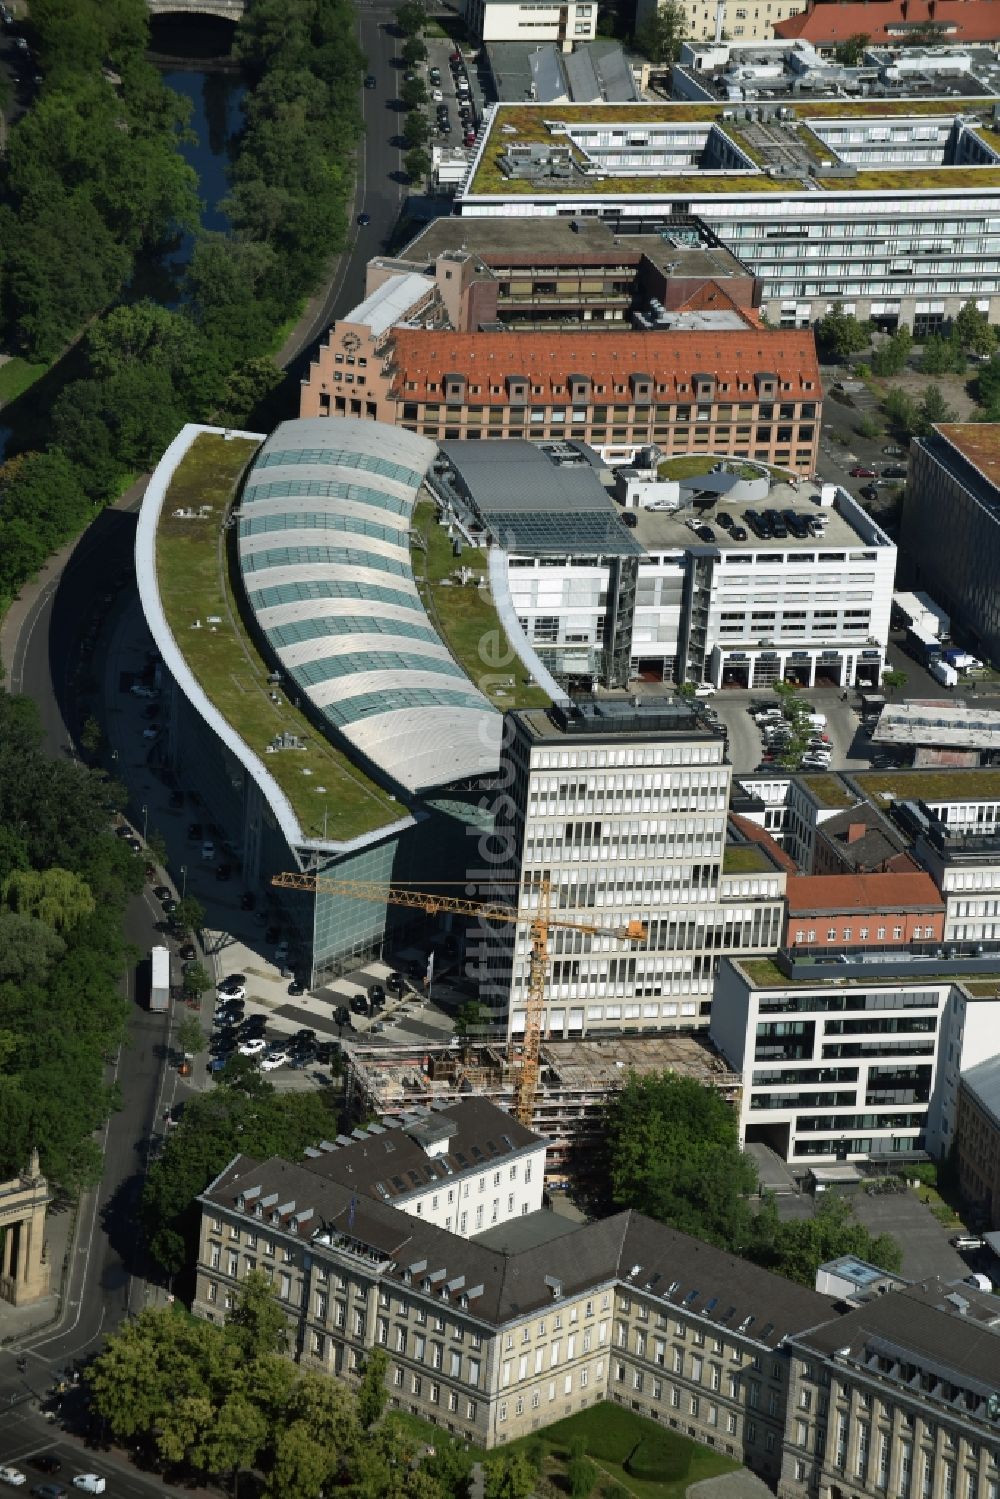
(898,1396)
(466,1166)
(860,840)
(892,22)
(711,20)
(977,1144)
(492,1344)
(710,379)
(621,808)
(561,21)
(951,525)
(963,860)
(831,912)
(699,598)
(847,1059)
(889,207)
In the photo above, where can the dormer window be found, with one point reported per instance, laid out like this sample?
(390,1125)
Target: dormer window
(517,388)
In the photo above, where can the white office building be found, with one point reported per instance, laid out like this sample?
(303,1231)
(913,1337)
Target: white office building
(561,21)
(622,808)
(722,606)
(850,1060)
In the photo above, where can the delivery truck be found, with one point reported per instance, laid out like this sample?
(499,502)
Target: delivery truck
(159,985)
(943,673)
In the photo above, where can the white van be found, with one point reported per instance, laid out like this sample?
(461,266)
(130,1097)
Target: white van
(816,720)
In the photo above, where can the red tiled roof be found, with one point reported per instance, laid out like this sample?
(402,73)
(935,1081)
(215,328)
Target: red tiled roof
(760,836)
(829,22)
(671,358)
(711,297)
(862,892)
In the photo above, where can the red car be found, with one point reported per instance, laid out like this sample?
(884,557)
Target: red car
(860,472)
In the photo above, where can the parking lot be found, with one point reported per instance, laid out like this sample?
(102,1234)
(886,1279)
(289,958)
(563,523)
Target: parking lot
(848,744)
(454,106)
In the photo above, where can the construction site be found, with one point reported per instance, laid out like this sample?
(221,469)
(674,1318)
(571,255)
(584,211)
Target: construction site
(574,1080)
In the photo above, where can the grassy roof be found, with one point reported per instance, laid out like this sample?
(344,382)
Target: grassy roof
(738,858)
(335,800)
(828,791)
(526,123)
(930,785)
(764,973)
(464,615)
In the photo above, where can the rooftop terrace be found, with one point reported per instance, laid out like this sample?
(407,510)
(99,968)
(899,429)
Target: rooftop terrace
(664,530)
(331,799)
(730,159)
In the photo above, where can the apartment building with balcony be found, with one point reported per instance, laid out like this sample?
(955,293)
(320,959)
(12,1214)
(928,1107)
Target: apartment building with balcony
(621,807)
(848,1059)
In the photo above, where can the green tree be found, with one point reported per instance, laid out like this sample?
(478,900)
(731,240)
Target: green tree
(196,978)
(894,680)
(451,1467)
(581,1474)
(797,1249)
(973,332)
(670,1148)
(941,355)
(190,914)
(190,1037)
(870,427)
(933,408)
(28,949)
(413,51)
(840,334)
(411,18)
(902,413)
(660,35)
(415,130)
(509,1475)
(257,1323)
(372,1393)
(417,164)
(413,93)
(988,386)
(58,897)
(91,736)
(468,1017)
(685,690)
(890,357)
(851,53)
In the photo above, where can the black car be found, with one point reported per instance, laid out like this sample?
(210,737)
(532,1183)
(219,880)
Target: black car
(296,987)
(738,533)
(305,1036)
(629,518)
(46,1463)
(395,983)
(189,951)
(894,473)
(376,994)
(169,905)
(233,981)
(162,892)
(364,219)
(342,1015)
(724,520)
(705,533)
(359,1004)
(370,81)
(868,492)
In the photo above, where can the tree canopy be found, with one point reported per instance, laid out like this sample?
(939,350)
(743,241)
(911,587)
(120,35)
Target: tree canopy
(670,1149)
(208,1401)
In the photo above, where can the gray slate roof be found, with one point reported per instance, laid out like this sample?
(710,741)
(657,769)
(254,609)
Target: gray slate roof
(983,1082)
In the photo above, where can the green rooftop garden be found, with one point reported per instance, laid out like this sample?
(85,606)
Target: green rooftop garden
(763,973)
(330,797)
(929,785)
(464,616)
(740,858)
(985,984)
(828,791)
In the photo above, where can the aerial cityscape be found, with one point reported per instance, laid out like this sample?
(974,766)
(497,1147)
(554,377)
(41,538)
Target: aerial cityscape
(500,748)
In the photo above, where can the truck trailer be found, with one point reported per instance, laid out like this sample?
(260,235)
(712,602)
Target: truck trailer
(159,986)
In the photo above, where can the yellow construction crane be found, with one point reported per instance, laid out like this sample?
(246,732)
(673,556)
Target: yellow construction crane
(539,922)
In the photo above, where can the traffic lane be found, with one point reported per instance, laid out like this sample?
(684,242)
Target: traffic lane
(26,1436)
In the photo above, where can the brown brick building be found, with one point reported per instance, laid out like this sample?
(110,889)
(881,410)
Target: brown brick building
(862,910)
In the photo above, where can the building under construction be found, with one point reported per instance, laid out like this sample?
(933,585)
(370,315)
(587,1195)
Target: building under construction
(575,1078)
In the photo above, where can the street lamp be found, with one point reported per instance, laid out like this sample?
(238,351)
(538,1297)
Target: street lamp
(184,880)
(145,822)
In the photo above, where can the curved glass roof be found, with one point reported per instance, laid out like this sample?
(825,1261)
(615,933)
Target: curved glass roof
(324,550)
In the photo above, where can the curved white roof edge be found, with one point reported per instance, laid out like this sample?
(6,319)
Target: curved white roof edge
(173,656)
(503,601)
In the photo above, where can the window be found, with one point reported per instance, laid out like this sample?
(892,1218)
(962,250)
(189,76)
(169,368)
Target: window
(502,1412)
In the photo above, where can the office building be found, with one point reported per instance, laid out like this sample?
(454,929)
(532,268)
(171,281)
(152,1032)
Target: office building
(711,20)
(703,376)
(492,1342)
(312,705)
(951,526)
(977,1149)
(848,1059)
(834,912)
(466,1165)
(962,856)
(544,72)
(565,22)
(860,840)
(898,1396)
(621,806)
(887,206)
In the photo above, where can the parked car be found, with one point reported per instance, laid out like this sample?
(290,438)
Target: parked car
(89,1483)
(230,991)
(436,96)
(861,471)
(162,892)
(208,849)
(359,1004)
(370,80)
(13,1477)
(296,987)
(139,689)
(894,471)
(395,983)
(705,689)
(738,533)
(893,451)
(253,1046)
(273,1061)
(434,74)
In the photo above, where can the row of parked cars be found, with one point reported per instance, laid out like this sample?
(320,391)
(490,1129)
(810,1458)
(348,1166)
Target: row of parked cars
(245,1035)
(778,729)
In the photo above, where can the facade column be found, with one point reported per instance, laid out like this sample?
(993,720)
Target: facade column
(812,671)
(8,1248)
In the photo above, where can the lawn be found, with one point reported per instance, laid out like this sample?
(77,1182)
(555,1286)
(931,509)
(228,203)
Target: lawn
(930,785)
(828,791)
(17,376)
(331,798)
(764,973)
(618,1441)
(464,616)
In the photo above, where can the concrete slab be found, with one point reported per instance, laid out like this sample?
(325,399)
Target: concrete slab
(924,1242)
(741,1484)
(774,1173)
